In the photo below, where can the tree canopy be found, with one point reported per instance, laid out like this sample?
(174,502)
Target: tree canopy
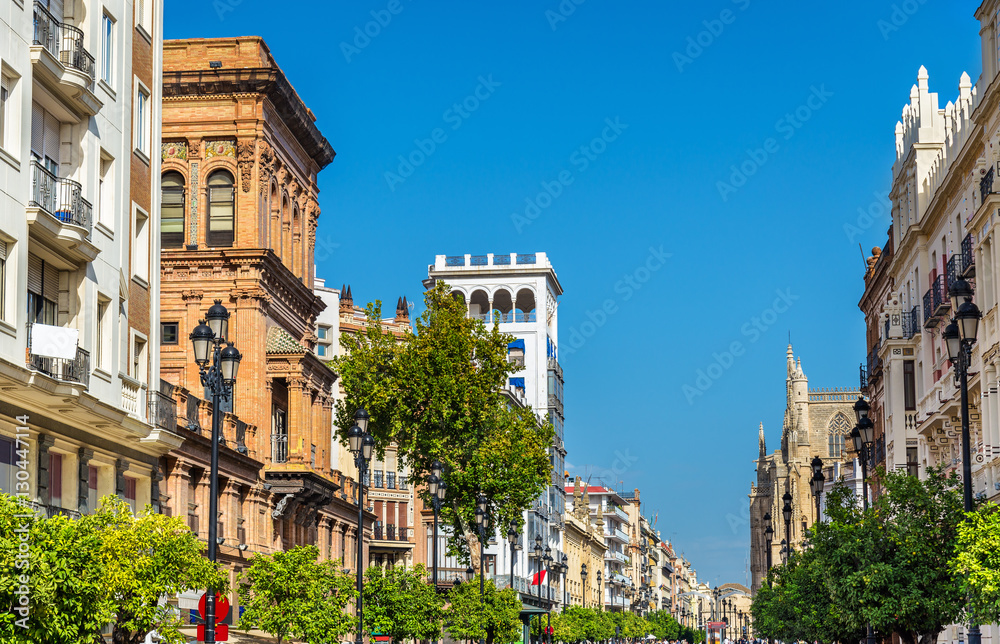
(437,394)
(977,562)
(494,616)
(399,602)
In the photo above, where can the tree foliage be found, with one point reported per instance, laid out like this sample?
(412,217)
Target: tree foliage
(663,625)
(106,568)
(291,594)
(494,616)
(977,562)
(399,602)
(436,393)
(145,559)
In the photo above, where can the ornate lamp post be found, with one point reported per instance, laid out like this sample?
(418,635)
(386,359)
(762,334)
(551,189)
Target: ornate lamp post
(583,576)
(219,378)
(786,512)
(959,336)
(513,538)
(768,537)
(361,444)
(817,482)
(438,489)
(600,590)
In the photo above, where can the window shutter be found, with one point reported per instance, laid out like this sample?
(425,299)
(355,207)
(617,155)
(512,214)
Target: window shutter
(52,137)
(50,283)
(37,130)
(3,251)
(34,274)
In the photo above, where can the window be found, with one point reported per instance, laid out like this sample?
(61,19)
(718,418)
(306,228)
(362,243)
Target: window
(140,250)
(912,464)
(44,149)
(6,85)
(909,386)
(3,276)
(105,192)
(92,499)
(43,291)
(321,333)
(138,358)
(839,428)
(168,333)
(390,480)
(141,110)
(130,493)
(279,436)
(143,15)
(321,350)
(172,210)
(379,475)
(7,469)
(107,49)
(55,480)
(103,339)
(220,209)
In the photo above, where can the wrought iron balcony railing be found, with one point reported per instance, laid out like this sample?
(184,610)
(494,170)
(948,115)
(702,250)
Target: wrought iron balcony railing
(874,361)
(968,256)
(279,448)
(986,185)
(954,268)
(64,42)
(67,370)
(61,198)
(911,322)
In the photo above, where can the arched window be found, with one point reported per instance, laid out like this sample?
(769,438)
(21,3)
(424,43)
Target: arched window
(221,211)
(172,210)
(839,428)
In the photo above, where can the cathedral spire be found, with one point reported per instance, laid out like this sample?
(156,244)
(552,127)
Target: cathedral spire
(760,440)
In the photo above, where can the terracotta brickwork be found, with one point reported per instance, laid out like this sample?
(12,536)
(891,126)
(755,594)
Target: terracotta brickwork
(243,122)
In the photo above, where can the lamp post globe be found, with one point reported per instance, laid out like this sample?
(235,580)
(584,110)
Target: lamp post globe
(361,419)
(218,320)
(867,430)
(861,409)
(960,292)
(201,340)
(968,321)
(230,363)
(786,510)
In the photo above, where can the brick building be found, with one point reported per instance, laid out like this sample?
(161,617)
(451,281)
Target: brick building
(240,156)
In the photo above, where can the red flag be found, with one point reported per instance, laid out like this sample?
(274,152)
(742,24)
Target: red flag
(538,578)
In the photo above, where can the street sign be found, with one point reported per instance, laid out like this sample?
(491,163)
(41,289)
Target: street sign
(221,611)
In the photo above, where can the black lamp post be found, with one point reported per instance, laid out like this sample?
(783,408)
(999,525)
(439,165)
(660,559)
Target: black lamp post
(786,512)
(512,537)
(768,537)
(438,489)
(583,576)
(817,481)
(600,590)
(361,444)
(959,336)
(219,378)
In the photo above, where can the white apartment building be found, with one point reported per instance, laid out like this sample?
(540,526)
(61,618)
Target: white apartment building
(945,217)
(79,247)
(520,291)
(617,578)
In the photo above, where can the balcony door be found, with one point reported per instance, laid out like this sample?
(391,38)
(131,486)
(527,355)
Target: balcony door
(45,138)
(43,291)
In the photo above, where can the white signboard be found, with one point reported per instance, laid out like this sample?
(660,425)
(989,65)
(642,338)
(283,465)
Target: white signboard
(54,341)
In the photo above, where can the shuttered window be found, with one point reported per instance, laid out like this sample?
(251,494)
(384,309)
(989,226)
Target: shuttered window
(220,209)
(43,291)
(172,211)
(45,137)
(3,278)
(5,87)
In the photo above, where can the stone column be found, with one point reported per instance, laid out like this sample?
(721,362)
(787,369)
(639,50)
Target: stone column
(298,436)
(190,379)
(43,495)
(121,466)
(83,476)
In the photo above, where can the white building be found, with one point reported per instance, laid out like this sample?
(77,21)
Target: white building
(520,292)
(79,248)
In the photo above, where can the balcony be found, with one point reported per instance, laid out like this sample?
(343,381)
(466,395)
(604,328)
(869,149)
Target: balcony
(954,268)
(162,410)
(59,217)
(59,58)
(911,322)
(620,535)
(76,370)
(617,511)
(968,257)
(986,186)
(279,448)
(611,555)
(936,302)
(133,397)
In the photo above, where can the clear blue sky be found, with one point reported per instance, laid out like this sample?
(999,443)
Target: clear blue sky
(656,184)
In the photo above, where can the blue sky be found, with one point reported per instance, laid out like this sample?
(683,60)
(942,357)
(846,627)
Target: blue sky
(804,97)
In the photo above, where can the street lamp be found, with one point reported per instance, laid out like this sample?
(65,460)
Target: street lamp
(600,590)
(786,512)
(219,379)
(583,576)
(768,536)
(438,489)
(959,336)
(361,444)
(482,522)
(512,537)
(817,481)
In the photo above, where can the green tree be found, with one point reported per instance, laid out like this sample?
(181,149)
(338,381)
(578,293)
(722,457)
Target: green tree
(494,617)
(144,559)
(632,625)
(291,594)
(399,602)
(977,562)
(890,566)
(436,393)
(66,592)
(570,624)
(663,625)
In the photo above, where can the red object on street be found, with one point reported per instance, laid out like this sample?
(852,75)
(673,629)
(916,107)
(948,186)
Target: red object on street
(538,580)
(221,611)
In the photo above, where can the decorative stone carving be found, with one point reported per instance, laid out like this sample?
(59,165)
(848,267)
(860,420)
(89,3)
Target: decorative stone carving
(175,150)
(279,509)
(245,150)
(265,166)
(223,148)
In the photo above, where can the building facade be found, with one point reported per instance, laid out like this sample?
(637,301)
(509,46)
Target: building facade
(817,423)
(585,546)
(79,125)
(520,292)
(240,157)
